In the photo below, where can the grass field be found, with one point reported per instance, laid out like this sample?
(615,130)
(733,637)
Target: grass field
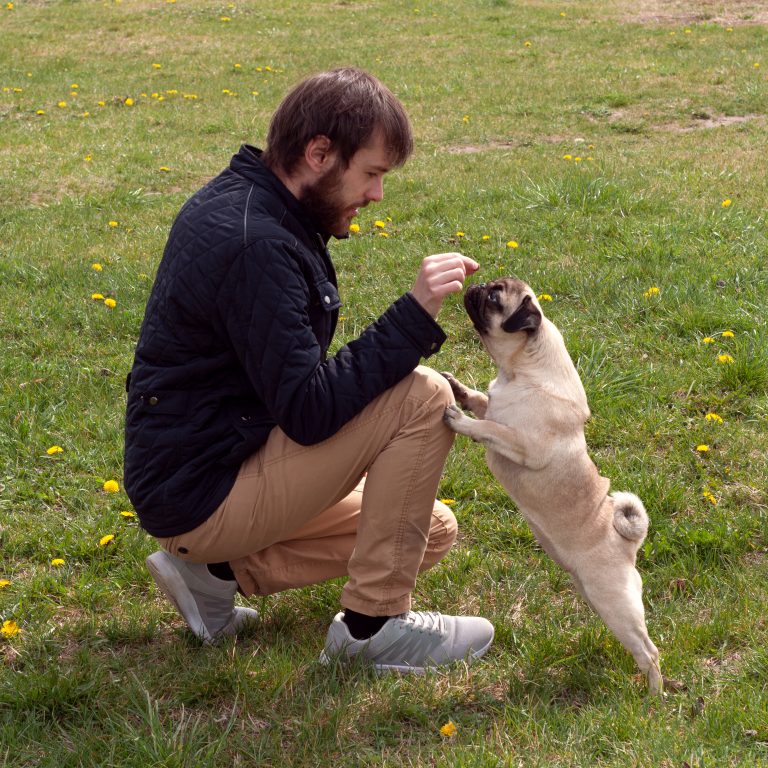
(612,154)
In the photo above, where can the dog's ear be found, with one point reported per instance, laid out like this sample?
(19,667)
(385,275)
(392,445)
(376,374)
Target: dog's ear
(525,318)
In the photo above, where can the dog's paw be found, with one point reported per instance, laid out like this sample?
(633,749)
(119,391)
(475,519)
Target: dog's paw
(460,392)
(452,415)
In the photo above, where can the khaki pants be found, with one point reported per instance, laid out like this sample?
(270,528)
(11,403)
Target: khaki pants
(361,503)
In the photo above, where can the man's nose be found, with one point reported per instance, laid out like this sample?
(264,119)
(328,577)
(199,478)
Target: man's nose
(376,190)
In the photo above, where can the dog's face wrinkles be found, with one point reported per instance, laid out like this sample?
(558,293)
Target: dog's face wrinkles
(505,314)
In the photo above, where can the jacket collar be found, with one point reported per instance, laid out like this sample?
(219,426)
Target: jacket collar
(248,163)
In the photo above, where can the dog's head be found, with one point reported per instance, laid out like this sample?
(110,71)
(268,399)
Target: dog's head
(505,313)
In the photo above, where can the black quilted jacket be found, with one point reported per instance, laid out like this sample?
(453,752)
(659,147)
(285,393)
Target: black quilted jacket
(234,342)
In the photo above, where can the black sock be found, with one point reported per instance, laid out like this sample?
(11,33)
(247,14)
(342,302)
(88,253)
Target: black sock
(221,571)
(361,627)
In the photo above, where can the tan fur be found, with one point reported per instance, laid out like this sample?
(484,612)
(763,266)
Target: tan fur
(532,424)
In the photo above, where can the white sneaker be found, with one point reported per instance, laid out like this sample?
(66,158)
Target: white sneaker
(412,642)
(206,602)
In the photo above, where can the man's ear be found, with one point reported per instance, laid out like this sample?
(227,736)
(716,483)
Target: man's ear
(318,153)
(525,318)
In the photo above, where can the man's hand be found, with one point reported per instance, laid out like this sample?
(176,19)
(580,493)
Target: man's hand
(441,274)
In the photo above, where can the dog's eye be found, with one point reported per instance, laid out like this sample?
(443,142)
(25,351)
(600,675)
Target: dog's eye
(493,297)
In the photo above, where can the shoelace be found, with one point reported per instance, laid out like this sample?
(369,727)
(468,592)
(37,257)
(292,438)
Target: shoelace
(424,622)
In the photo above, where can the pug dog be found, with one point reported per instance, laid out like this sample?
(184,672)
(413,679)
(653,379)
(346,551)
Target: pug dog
(532,425)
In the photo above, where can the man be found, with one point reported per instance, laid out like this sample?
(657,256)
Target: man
(257,461)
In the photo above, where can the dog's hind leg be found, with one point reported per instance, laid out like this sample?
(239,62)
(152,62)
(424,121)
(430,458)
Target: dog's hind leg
(469,399)
(615,592)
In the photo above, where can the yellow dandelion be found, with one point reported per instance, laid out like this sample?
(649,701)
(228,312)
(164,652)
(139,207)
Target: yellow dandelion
(10,629)
(383,234)
(652,291)
(57,561)
(111,486)
(756,65)
(155,65)
(102,103)
(54,449)
(40,112)
(544,297)
(9,6)
(512,244)
(164,168)
(4,583)
(724,359)
(527,43)
(714,417)
(225,18)
(111,303)
(237,66)
(97,296)
(62,105)
(486,237)
(448,502)
(726,202)
(354,227)
(88,158)
(728,334)
(708,340)
(96,266)
(86,114)
(129,102)
(567,157)
(104,540)
(127,514)
(702,448)
(460,234)
(465,118)
(449,729)
(576,159)
(113,224)
(709,496)
(380,224)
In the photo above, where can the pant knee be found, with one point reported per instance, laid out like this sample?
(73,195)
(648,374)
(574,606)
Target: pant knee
(433,387)
(442,535)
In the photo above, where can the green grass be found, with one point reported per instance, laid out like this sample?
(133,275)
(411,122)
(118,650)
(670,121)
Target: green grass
(666,124)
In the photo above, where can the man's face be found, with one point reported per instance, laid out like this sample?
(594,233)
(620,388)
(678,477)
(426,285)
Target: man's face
(337,196)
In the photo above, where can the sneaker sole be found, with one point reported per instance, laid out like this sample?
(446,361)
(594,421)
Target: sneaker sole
(405,669)
(170,583)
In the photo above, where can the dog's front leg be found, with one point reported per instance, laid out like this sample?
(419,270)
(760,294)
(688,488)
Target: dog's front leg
(469,399)
(504,440)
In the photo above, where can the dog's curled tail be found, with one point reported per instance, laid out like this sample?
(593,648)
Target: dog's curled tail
(629,516)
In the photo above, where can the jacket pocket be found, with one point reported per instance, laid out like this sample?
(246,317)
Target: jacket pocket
(166,403)
(327,295)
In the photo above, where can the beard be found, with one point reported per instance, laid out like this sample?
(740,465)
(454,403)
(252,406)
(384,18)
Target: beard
(324,201)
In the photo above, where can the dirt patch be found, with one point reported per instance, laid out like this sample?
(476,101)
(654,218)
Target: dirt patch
(709,123)
(725,12)
(471,149)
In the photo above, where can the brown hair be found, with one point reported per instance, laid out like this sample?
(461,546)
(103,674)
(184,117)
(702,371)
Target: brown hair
(347,105)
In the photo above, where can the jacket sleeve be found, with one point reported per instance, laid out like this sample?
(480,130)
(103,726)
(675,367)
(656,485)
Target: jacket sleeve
(264,304)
